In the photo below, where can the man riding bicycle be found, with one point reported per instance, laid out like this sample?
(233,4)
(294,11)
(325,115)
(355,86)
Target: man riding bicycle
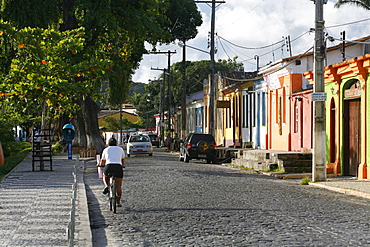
(114,158)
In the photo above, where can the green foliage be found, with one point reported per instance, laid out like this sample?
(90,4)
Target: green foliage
(56,53)
(6,131)
(44,70)
(57,148)
(184,19)
(35,13)
(18,153)
(137,87)
(360,3)
(305,181)
(12,148)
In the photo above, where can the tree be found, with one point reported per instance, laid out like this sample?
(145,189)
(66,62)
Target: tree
(184,19)
(113,41)
(40,72)
(360,3)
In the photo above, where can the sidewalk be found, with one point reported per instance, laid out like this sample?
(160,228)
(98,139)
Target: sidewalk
(346,185)
(342,184)
(35,206)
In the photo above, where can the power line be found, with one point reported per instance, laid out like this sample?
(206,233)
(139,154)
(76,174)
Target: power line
(349,23)
(250,48)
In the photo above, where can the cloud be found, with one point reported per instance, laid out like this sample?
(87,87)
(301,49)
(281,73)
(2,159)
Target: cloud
(254,24)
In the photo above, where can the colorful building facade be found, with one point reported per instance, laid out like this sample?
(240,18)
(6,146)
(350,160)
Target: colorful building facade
(347,108)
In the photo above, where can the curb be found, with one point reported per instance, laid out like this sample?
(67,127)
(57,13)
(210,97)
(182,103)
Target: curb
(350,192)
(84,229)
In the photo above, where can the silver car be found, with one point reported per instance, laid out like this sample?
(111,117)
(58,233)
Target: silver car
(139,144)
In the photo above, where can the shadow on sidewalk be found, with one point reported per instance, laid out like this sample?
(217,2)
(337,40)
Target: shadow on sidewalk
(97,220)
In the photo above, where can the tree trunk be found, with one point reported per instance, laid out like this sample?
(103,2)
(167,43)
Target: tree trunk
(90,115)
(80,138)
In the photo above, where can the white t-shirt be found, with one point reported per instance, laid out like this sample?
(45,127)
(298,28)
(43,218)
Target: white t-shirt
(113,155)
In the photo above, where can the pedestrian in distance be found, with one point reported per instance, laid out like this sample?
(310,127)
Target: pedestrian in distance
(168,142)
(176,142)
(113,158)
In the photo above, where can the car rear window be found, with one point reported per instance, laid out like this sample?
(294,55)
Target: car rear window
(202,137)
(139,139)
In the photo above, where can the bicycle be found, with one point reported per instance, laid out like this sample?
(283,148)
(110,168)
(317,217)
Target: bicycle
(113,198)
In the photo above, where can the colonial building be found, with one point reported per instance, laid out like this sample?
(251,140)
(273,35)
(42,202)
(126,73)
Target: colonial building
(347,108)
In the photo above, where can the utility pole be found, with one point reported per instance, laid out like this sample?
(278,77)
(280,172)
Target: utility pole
(318,98)
(212,69)
(161,107)
(183,94)
(169,53)
(169,89)
(212,86)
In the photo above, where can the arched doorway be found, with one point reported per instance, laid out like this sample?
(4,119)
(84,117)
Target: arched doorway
(352,129)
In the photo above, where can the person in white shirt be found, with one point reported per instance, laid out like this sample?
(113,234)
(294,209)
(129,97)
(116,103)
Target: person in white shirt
(113,157)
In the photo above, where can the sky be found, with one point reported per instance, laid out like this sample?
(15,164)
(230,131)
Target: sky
(244,27)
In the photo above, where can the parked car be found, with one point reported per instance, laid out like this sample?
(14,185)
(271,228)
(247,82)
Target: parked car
(154,139)
(198,146)
(139,144)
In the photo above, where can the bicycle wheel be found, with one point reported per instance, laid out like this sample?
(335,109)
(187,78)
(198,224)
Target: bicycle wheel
(114,197)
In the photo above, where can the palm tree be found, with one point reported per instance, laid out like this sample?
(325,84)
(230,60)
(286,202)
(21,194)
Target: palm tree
(361,3)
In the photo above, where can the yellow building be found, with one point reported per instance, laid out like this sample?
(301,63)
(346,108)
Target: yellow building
(128,112)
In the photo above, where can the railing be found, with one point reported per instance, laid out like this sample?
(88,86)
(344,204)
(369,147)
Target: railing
(72,213)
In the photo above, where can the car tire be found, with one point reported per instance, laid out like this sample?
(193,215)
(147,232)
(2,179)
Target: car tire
(181,158)
(186,158)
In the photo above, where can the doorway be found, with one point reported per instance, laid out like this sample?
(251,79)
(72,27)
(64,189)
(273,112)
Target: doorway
(352,136)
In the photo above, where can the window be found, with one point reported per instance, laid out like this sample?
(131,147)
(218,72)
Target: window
(263,106)
(296,116)
(244,111)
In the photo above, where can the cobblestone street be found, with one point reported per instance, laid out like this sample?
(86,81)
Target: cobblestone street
(171,203)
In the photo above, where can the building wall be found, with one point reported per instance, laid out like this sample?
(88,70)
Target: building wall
(301,121)
(338,78)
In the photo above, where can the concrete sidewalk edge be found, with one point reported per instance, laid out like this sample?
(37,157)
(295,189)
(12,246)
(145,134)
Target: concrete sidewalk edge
(83,227)
(342,190)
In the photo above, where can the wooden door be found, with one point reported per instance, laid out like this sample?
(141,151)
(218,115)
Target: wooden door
(352,135)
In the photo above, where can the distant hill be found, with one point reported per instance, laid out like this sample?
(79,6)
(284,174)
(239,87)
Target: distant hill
(137,87)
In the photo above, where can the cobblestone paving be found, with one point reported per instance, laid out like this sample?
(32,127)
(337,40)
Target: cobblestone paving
(171,203)
(34,206)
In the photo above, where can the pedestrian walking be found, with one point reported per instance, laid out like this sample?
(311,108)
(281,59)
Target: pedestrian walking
(168,142)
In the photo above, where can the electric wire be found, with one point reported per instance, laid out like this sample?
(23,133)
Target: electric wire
(349,23)
(352,41)
(250,48)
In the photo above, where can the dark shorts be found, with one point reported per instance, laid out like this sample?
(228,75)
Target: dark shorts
(114,168)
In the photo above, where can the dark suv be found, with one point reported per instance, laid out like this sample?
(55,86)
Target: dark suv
(198,146)
(154,139)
